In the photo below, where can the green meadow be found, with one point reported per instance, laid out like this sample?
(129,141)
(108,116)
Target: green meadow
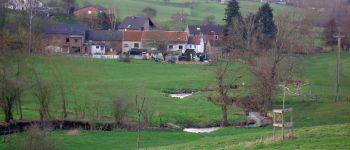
(321,124)
(196,11)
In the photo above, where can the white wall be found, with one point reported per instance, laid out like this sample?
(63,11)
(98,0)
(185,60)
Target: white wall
(176,47)
(128,45)
(197,48)
(98,49)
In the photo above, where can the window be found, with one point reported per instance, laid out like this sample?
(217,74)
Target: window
(171,46)
(180,47)
(97,47)
(216,37)
(102,47)
(136,45)
(126,45)
(67,40)
(76,40)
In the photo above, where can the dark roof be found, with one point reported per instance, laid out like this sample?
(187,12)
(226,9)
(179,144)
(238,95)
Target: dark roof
(104,35)
(135,23)
(71,29)
(207,30)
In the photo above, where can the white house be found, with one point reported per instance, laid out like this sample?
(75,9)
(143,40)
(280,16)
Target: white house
(195,43)
(131,40)
(23,4)
(98,49)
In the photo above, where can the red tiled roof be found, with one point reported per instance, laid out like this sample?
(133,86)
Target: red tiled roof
(173,36)
(132,35)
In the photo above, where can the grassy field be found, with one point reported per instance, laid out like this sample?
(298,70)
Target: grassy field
(196,11)
(321,125)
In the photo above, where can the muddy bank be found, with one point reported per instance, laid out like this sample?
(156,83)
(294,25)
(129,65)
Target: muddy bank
(21,126)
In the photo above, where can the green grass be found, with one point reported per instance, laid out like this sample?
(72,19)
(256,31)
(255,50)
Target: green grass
(320,125)
(199,10)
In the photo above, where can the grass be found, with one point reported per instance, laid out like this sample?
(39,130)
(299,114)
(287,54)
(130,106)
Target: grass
(320,125)
(197,12)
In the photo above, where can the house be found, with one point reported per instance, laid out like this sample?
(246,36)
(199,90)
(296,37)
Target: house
(209,32)
(281,2)
(212,47)
(23,4)
(102,41)
(137,23)
(212,35)
(69,37)
(89,12)
(195,43)
(175,41)
(131,40)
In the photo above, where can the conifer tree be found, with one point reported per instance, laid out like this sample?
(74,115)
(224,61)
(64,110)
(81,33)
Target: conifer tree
(266,25)
(231,12)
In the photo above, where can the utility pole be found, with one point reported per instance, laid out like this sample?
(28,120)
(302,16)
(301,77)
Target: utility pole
(337,96)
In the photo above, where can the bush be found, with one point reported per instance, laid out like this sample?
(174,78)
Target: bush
(35,139)
(125,57)
(120,109)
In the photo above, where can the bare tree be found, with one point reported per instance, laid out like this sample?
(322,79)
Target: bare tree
(113,17)
(157,42)
(265,64)
(43,95)
(60,84)
(140,109)
(224,97)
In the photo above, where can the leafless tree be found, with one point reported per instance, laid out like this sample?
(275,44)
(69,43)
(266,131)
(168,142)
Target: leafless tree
(60,84)
(43,96)
(158,43)
(140,108)
(265,64)
(113,17)
(226,84)
(10,81)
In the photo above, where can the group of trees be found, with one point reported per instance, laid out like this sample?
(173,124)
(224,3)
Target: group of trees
(266,45)
(334,28)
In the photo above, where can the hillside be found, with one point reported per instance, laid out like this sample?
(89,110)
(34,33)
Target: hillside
(323,122)
(198,10)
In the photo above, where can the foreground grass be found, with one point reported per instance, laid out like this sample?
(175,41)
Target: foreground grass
(316,137)
(320,125)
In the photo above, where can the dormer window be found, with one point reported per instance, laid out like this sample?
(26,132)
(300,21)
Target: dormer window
(128,26)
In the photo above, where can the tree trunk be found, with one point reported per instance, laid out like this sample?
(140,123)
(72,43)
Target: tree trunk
(8,114)
(224,116)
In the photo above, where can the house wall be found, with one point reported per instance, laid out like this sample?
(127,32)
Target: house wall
(66,42)
(177,47)
(197,48)
(128,45)
(98,49)
(117,46)
(83,13)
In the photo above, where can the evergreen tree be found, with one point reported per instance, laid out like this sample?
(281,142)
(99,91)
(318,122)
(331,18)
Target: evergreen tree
(266,25)
(330,30)
(231,12)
